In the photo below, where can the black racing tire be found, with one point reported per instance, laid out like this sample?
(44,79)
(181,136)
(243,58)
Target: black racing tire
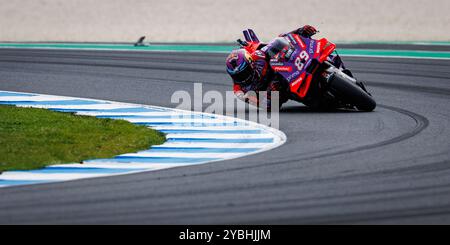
(344,88)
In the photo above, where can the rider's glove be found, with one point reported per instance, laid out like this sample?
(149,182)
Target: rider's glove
(307,31)
(240,95)
(250,98)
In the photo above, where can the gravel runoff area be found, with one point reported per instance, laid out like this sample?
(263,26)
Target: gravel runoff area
(219,21)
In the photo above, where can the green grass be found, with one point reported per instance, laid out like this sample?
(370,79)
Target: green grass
(33,138)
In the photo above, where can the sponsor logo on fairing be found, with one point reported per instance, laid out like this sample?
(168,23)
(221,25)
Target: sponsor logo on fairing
(292,39)
(275,62)
(318,47)
(282,68)
(289,53)
(311,46)
(296,81)
(293,75)
(299,41)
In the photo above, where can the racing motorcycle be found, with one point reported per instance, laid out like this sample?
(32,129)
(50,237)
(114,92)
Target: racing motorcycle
(310,73)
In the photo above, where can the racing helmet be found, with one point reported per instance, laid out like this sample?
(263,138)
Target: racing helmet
(240,67)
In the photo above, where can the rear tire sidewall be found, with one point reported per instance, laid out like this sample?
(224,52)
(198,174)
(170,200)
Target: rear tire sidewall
(344,88)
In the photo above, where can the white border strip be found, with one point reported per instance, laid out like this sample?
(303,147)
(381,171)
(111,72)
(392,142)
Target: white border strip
(181,148)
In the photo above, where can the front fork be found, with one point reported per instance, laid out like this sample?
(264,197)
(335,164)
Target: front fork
(337,62)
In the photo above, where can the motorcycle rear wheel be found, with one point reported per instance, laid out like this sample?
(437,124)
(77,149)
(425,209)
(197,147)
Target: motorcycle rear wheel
(344,88)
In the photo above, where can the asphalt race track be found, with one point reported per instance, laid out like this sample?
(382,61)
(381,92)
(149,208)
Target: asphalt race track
(388,166)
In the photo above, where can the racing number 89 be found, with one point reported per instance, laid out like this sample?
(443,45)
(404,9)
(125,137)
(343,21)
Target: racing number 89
(301,60)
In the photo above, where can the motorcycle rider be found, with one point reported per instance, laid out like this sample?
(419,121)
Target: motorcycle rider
(251,72)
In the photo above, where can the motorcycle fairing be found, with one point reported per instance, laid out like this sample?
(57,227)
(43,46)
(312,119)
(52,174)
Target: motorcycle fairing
(293,61)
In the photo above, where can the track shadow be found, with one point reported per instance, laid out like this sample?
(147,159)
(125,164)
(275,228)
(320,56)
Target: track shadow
(305,109)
